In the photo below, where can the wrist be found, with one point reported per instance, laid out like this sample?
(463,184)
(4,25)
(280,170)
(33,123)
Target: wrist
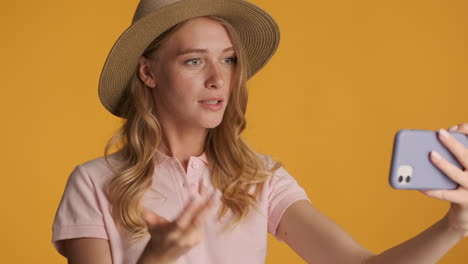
(450,225)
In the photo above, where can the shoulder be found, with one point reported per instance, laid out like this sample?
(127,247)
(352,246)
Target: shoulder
(267,161)
(278,175)
(97,169)
(102,165)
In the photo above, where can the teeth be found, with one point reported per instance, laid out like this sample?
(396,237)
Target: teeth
(210,102)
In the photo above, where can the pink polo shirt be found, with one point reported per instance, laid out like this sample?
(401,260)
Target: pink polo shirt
(84,211)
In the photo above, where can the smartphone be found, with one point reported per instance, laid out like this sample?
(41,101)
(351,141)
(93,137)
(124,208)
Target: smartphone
(411,167)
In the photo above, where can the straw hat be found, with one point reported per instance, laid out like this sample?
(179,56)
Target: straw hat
(258,31)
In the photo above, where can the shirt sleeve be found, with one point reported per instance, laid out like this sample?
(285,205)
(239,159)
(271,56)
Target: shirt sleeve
(283,191)
(79,213)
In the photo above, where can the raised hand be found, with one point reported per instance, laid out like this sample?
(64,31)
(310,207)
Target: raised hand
(457,217)
(170,240)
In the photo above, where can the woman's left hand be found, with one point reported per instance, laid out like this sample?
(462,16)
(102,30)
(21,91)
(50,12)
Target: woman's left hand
(457,216)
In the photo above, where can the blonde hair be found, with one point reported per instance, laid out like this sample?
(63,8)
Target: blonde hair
(236,170)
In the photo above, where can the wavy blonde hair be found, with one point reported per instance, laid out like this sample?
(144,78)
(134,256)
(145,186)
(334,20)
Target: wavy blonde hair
(236,170)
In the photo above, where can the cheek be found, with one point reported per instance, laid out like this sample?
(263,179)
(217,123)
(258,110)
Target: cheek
(173,96)
(178,95)
(171,86)
(231,77)
(232,86)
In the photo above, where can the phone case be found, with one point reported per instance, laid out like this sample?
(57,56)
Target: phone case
(411,167)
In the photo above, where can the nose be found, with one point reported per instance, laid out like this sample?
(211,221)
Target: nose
(215,78)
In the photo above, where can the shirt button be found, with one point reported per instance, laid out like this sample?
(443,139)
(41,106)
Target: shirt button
(194,165)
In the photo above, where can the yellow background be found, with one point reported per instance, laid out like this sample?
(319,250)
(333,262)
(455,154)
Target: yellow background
(347,76)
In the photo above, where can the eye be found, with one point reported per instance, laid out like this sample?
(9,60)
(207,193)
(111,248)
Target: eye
(194,61)
(230,60)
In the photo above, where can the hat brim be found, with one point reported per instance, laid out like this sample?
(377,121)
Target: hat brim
(258,32)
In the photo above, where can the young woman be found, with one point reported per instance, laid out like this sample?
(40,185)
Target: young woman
(183,187)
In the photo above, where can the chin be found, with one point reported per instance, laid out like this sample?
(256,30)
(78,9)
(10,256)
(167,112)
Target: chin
(212,123)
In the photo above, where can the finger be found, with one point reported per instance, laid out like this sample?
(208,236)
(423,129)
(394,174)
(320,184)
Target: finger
(461,128)
(202,212)
(184,219)
(455,196)
(187,221)
(217,197)
(452,171)
(193,209)
(195,223)
(191,237)
(189,240)
(201,215)
(193,234)
(152,219)
(455,147)
(182,222)
(202,189)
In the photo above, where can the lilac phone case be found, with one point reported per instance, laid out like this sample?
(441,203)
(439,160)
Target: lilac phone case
(411,167)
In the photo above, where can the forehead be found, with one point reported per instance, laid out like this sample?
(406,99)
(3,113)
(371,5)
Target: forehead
(200,32)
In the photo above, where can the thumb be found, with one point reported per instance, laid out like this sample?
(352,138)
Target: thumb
(151,218)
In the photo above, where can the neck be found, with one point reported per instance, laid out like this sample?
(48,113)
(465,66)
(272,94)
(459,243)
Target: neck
(181,144)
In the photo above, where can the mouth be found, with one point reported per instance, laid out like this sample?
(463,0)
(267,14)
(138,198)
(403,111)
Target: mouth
(211,102)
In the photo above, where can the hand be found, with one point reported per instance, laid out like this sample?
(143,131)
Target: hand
(170,240)
(457,216)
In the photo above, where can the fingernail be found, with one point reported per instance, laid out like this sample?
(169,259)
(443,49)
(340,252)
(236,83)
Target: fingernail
(453,128)
(443,133)
(435,155)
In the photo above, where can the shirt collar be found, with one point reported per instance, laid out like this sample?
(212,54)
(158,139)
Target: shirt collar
(161,157)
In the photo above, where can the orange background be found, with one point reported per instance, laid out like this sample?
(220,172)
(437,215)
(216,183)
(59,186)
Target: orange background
(347,76)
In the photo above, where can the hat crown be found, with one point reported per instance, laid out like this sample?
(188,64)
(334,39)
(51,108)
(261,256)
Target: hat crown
(146,7)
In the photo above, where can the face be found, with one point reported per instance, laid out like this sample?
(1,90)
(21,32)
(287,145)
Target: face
(191,75)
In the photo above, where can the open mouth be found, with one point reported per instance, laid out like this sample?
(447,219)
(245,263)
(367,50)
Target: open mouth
(213,102)
(212,105)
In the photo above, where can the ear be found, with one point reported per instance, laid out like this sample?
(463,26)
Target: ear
(144,71)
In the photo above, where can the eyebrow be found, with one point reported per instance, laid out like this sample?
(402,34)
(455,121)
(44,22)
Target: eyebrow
(200,51)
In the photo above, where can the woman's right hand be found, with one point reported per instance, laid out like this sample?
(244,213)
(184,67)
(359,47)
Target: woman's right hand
(170,240)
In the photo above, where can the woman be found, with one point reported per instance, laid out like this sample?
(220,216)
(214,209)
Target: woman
(184,187)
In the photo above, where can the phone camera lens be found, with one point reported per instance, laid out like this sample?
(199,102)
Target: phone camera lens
(400,179)
(408,178)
